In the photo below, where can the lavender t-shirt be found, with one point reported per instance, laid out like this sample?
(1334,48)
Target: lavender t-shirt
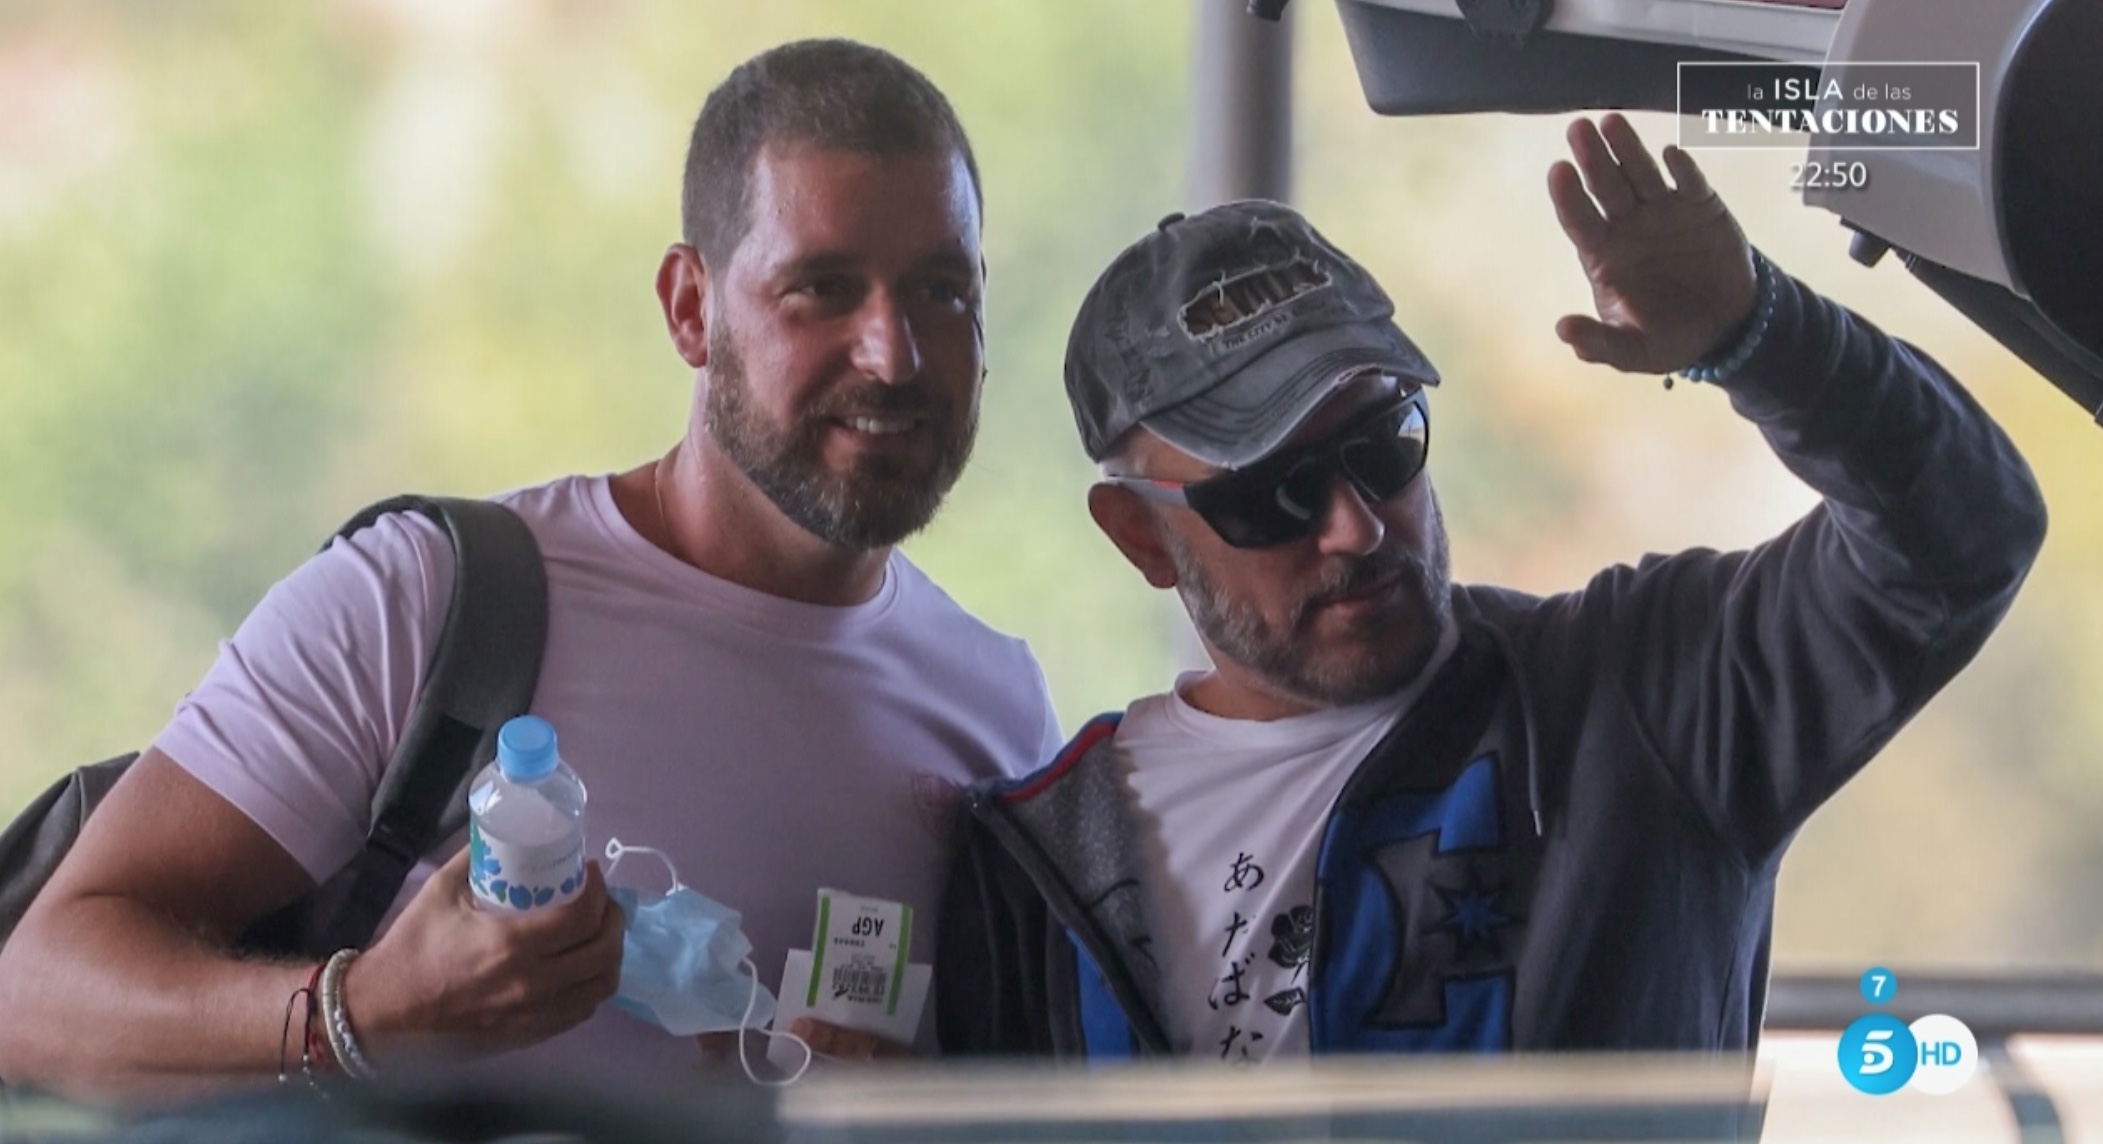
(769,747)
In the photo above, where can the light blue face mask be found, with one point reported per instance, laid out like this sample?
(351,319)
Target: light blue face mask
(686,965)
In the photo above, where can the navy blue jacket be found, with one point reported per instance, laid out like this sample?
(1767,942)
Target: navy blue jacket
(1604,779)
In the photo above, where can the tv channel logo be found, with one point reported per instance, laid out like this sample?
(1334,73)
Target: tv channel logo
(1880,1054)
(1949,1054)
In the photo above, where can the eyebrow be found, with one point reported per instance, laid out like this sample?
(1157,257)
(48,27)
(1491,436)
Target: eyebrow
(950,261)
(828,262)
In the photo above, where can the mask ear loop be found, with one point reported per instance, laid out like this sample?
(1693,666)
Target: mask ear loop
(615,852)
(745,1026)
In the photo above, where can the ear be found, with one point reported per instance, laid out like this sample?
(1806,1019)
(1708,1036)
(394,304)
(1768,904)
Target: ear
(1136,532)
(682,293)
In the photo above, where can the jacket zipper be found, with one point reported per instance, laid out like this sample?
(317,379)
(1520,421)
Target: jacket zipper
(1317,1032)
(1315,946)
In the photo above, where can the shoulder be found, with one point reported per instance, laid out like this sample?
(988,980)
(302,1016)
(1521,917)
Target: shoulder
(1517,616)
(1606,597)
(553,499)
(297,716)
(1556,637)
(1491,603)
(1089,752)
(932,616)
(564,512)
(397,566)
(397,573)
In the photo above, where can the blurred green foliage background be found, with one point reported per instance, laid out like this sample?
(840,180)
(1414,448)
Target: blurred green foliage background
(261,263)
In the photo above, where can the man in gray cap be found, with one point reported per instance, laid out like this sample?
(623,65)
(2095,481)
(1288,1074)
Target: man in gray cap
(1400,814)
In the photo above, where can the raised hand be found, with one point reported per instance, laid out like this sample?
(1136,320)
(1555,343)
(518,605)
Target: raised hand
(1672,276)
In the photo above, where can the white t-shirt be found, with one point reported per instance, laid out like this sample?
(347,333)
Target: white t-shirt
(769,747)
(1232,813)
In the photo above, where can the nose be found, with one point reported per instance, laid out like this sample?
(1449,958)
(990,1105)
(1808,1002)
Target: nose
(1348,525)
(885,345)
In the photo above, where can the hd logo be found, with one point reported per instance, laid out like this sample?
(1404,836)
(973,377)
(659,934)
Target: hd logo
(1880,1054)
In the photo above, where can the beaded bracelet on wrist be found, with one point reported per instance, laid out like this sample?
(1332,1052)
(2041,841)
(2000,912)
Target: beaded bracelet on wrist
(1720,366)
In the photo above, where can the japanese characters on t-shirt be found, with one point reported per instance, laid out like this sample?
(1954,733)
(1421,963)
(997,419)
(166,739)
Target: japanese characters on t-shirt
(1232,813)
(1276,978)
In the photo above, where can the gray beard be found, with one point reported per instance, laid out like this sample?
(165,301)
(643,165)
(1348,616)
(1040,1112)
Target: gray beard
(1284,656)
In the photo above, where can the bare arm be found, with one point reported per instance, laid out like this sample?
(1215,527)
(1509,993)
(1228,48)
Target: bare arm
(121,979)
(119,971)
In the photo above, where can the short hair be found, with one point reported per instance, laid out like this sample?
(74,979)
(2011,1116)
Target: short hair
(1119,454)
(833,93)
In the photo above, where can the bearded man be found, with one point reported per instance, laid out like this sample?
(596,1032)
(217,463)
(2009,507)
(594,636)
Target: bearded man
(742,670)
(1404,815)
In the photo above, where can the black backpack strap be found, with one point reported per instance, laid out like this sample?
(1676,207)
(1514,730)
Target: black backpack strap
(482,673)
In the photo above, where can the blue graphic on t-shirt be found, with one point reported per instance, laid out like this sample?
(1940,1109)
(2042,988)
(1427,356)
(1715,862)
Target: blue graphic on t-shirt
(1415,957)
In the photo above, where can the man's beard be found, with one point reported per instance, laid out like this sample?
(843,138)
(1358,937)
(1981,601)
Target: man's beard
(883,500)
(1287,658)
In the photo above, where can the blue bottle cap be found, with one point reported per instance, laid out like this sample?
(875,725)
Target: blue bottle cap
(526,749)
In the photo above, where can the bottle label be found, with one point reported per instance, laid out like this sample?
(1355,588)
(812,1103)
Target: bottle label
(522,878)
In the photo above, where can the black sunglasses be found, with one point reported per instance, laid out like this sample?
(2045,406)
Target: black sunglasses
(1283,496)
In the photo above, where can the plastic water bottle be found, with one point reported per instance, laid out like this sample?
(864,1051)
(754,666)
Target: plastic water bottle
(525,832)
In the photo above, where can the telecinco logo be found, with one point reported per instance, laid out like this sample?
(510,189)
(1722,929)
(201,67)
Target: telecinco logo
(1880,1054)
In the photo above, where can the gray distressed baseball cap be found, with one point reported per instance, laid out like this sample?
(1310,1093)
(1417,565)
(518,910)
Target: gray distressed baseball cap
(1221,331)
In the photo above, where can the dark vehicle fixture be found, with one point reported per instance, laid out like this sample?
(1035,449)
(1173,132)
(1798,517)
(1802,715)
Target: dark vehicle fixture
(2009,232)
